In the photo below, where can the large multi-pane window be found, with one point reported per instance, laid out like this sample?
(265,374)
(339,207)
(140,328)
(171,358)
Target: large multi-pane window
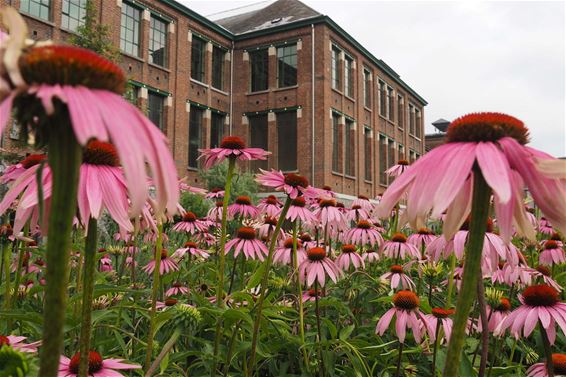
(367,88)
(155,109)
(218,67)
(195,135)
(259,61)
(287,66)
(400,112)
(382,99)
(382,159)
(72,14)
(336,144)
(391,153)
(336,79)
(37,8)
(350,141)
(349,76)
(390,103)
(198,48)
(258,138)
(368,153)
(130,29)
(417,123)
(216,129)
(158,41)
(401,152)
(411,119)
(287,141)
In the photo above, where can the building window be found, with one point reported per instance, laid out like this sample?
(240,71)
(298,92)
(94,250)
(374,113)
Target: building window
(400,112)
(287,66)
(130,29)
(218,67)
(158,41)
(15,130)
(367,154)
(37,8)
(195,135)
(336,83)
(382,99)
(350,141)
(390,104)
(72,14)
(367,88)
(287,141)
(258,138)
(198,48)
(391,153)
(155,109)
(216,129)
(411,119)
(401,152)
(411,156)
(336,144)
(417,123)
(349,76)
(259,61)
(382,159)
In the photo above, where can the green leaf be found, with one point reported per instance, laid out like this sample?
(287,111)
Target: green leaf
(346,332)
(256,277)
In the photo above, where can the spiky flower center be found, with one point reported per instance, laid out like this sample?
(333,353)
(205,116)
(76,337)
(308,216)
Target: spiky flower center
(271,200)
(288,244)
(316,253)
(442,313)
(363,197)
(296,180)
(399,237)
(219,204)
(543,270)
(424,231)
(540,295)
(216,190)
(477,127)
(348,248)
(244,200)
(232,142)
(327,188)
(270,221)
(556,237)
(100,153)
(171,302)
(363,224)
(406,300)
(299,201)
(246,233)
(94,362)
(504,305)
(305,237)
(559,363)
(73,66)
(190,245)
(356,207)
(32,160)
(164,254)
(4,341)
(177,284)
(189,217)
(397,269)
(550,244)
(327,203)
(314,292)
(403,162)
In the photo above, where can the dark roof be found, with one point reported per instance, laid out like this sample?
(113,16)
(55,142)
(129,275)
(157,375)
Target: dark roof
(441,124)
(278,13)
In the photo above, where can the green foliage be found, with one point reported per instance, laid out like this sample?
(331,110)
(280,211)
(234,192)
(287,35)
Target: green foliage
(12,363)
(243,183)
(195,203)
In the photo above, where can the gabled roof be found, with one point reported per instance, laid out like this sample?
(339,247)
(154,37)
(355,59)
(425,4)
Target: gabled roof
(278,13)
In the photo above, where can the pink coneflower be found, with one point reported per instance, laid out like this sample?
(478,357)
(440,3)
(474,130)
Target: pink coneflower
(231,147)
(326,191)
(397,170)
(167,264)
(97,367)
(497,314)
(17,343)
(398,247)
(363,202)
(185,187)
(189,224)
(356,213)
(328,214)
(215,193)
(544,273)
(298,211)
(422,238)
(396,276)
(243,207)
(541,369)
(190,248)
(364,234)
(307,241)
(291,184)
(552,254)
(177,289)
(538,303)
(311,295)
(215,213)
(12,172)
(406,311)
(246,241)
(169,302)
(268,227)
(545,227)
(370,256)
(439,317)
(349,257)
(270,206)
(284,253)
(494,143)
(105,263)
(316,266)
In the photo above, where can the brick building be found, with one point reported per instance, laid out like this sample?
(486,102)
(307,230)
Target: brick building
(284,77)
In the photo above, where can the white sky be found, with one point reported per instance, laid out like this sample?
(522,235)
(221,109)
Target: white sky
(461,56)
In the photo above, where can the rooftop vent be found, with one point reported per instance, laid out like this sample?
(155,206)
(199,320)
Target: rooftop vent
(276,20)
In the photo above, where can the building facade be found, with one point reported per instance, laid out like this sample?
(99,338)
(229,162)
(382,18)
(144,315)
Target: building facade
(284,78)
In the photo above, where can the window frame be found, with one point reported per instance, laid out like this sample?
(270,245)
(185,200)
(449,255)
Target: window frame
(336,77)
(137,22)
(348,76)
(217,121)
(382,85)
(218,60)
(368,153)
(281,75)
(383,163)
(280,124)
(390,103)
(162,124)
(254,122)
(400,111)
(196,122)
(66,18)
(367,87)
(41,5)
(336,144)
(350,147)
(261,72)
(199,65)
(152,40)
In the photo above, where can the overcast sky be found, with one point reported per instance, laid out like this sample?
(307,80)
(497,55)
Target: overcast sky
(463,56)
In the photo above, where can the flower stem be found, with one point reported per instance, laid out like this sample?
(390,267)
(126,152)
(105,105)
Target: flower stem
(88,289)
(221,260)
(164,351)
(472,267)
(450,281)
(154,293)
(547,351)
(484,324)
(6,252)
(319,332)
(299,294)
(398,372)
(435,350)
(64,161)
(263,287)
